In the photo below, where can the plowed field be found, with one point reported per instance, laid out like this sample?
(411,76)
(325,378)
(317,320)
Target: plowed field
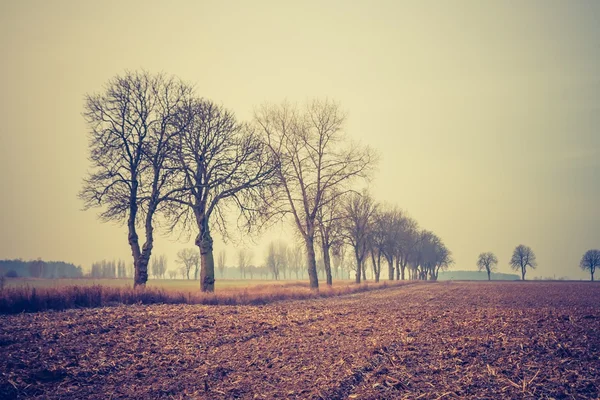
(430,341)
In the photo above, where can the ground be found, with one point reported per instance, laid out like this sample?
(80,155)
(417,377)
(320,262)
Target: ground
(430,341)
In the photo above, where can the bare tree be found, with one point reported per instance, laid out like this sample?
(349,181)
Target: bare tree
(37,268)
(384,238)
(406,242)
(244,260)
(223,165)
(276,258)
(522,258)
(487,261)
(131,126)
(434,256)
(589,262)
(339,255)
(314,158)
(329,227)
(221,259)
(358,210)
(294,259)
(188,259)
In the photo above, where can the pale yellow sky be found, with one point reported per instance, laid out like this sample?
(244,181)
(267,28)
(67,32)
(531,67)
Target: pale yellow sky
(485,113)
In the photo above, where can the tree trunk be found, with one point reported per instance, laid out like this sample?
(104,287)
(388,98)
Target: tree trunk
(312,263)
(364,271)
(327,263)
(489,275)
(374,267)
(358,266)
(403,268)
(522,273)
(207,263)
(144,258)
(140,271)
(397,268)
(592,273)
(390,261)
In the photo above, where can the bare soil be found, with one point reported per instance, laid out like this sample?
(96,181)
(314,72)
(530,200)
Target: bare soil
(431,341)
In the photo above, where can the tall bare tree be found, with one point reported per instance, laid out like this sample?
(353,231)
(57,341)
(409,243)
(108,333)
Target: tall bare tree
(131,128)
(522,258)
(223,165)
(314,158)
(488,262)
(358,211)
(589,262)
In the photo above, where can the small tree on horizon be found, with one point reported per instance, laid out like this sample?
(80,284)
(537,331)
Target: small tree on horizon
(589,262)
(221,259)
(487,261)
(522,258)
(188,258)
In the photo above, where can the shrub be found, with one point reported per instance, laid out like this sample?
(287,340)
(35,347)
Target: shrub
(12,274)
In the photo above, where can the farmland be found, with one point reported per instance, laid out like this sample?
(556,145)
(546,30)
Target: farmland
(427,340)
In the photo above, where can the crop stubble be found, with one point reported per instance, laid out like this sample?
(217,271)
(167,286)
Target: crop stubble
(430,341)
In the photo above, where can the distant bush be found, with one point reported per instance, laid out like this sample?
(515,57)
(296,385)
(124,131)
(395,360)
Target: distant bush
(12,274)
(27,299)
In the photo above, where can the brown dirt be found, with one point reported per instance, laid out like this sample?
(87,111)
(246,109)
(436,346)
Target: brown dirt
(430,341)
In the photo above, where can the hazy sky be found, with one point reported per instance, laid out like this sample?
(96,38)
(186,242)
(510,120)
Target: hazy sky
(485,113)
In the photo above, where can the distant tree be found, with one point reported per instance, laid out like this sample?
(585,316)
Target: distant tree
(435,256)
(294,260)
(276,258)
(487,262)
(589,262)
(158,266)
(522,258)
(316,163)
(244,260)
(221,259)
(121,270)
(131,126)
(172,274)
(339,254)
(329,227)
(407,241)
(188,259)
(36,268)
(358,215)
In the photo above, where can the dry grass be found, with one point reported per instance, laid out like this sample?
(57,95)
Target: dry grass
(31,299)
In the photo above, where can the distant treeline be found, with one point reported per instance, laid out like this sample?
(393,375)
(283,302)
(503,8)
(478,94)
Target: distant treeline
(39,269)
(475,276)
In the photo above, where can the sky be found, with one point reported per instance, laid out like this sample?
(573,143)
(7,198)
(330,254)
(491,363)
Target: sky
(485,114)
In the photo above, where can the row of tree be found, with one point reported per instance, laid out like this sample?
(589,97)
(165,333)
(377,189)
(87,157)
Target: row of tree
(523,258)
(39,269)
(161,155)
